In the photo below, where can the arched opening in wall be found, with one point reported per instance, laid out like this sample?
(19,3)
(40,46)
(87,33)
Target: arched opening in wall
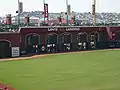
(117,36)
(82,41)
(32,43)
(66,41)
(52,41)
(103,40)
(5,49)
(103,36)
(94,38)
(117,39)
(97,36)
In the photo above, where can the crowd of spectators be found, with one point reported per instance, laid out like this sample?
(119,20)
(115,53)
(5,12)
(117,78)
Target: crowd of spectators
(105,18)
(81,18)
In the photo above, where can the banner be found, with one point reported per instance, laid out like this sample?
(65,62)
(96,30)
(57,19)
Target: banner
(46,11)
(20,7)
(15,51)
(93,9)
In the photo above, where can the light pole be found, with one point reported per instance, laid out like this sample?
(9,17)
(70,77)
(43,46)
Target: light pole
(94,12)
(44,10)
(67,11)
(18,12)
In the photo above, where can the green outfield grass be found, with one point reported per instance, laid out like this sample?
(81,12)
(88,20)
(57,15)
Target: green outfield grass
(98,70)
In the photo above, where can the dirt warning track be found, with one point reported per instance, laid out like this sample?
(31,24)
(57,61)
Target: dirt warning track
(43,55)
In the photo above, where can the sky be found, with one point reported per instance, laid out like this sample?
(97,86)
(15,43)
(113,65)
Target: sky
(11,6)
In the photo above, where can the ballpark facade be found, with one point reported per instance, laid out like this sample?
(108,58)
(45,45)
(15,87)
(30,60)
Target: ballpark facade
(51,39)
